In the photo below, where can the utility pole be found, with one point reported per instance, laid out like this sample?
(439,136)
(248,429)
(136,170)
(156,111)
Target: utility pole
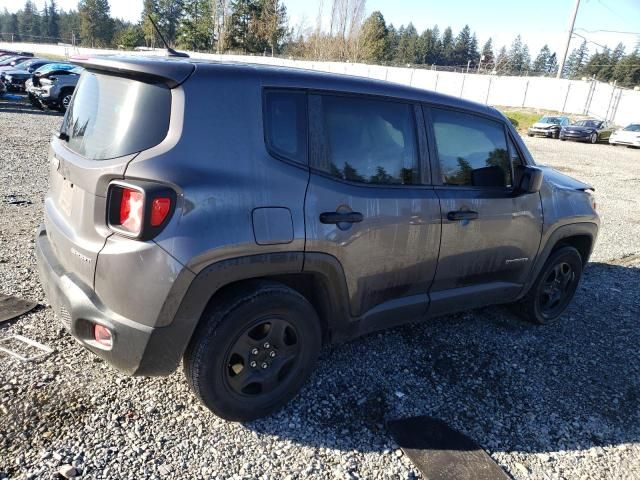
(569,35)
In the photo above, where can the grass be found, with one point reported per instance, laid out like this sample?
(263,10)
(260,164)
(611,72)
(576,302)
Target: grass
(523,118)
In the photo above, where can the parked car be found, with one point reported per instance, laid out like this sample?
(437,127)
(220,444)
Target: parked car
(56,91)
(629,136)
(3,88)
(588,130)
(548,126)
(12,62)
(313,209)
(16,78)
(4,52)
(31,86)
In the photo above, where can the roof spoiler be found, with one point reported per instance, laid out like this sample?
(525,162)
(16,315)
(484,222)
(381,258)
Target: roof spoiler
(171,73)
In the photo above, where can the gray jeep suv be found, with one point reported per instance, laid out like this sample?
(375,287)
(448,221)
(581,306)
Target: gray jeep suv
(238,217)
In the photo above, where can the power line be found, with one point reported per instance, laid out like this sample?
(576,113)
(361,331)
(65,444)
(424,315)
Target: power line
(609,31)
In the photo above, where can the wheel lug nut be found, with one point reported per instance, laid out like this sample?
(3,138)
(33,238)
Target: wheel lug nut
(264,365)
(266,345)
(272,354)
(254,351)
(253,364)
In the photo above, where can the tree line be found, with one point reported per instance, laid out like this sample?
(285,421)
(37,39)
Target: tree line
(262,27)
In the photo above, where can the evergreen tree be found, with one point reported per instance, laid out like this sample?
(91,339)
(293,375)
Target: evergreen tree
(374,38)
(502,66)
(488,59)
(408,45)
(576,61)
(552,64)
(461,47)
(518,57)
(431,45)
(151,9)
(446,55)
(393,39)
(540,64)
(53,21)
(272,24)
(9,26)
(69,26)
(196,25)
(627,70)
(243,26)
(96,24)
(29,23)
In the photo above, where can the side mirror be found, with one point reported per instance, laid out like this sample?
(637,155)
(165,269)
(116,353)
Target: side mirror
(530,180)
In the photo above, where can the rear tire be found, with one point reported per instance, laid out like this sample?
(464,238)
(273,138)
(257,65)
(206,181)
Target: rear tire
(554,288)
(253,351)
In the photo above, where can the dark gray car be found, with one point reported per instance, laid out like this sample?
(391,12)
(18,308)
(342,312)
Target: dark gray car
(239,217)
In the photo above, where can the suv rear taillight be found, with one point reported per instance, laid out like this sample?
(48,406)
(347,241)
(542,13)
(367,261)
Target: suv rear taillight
(139,210)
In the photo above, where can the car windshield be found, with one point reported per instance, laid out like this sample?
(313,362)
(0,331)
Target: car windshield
(588,123)
(554,120)
(634,127)
(8,60)
(28,63)
(54,66)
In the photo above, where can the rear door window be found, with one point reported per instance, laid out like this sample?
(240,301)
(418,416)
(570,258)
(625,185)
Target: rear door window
(472,150)
(366,140)
(114,116)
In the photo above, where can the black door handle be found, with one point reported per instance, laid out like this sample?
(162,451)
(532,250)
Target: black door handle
(338,217)
(462,215)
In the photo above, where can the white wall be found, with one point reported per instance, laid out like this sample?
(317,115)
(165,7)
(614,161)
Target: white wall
(598,99)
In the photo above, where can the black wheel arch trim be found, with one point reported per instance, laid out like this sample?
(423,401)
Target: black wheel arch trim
(190,297)
(555,237)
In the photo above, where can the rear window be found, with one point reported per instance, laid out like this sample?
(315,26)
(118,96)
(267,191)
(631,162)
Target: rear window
(114,116)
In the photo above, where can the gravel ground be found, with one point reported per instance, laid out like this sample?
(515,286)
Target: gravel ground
(546,402)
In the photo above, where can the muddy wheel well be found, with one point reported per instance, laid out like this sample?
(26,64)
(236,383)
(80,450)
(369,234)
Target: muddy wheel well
(310,286)
(582,243)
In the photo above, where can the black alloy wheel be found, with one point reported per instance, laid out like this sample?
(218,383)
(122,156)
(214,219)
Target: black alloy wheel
(262,358)
(253,350)
(554,287)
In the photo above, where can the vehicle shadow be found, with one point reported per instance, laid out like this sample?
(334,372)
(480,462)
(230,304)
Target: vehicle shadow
(509,385)
(23,106)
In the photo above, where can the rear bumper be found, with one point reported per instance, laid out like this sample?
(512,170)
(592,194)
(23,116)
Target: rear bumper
(137,349)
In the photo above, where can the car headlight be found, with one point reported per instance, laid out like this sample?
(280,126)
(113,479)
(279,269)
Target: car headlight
(8,78)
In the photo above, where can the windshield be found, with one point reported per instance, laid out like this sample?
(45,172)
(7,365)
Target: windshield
(634,127)
(55,66)
(113,116)
(588,123)
(554,120)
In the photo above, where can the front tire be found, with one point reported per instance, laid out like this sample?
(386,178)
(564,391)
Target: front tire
(593,138)
(253,351)
(554,288)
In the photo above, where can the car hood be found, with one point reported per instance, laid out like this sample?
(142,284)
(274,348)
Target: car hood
(543,125)
(561,180)
(579,129)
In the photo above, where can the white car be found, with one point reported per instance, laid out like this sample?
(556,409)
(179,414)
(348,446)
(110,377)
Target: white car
(630,136)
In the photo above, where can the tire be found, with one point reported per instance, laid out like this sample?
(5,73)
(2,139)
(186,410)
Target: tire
(540,305)
(563,139)
(593,138)
(64,100)
(530,134)
(556,135)
(253,351)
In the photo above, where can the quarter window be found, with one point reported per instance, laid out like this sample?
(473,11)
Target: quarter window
(365,140)
(286,124)
(472,150)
